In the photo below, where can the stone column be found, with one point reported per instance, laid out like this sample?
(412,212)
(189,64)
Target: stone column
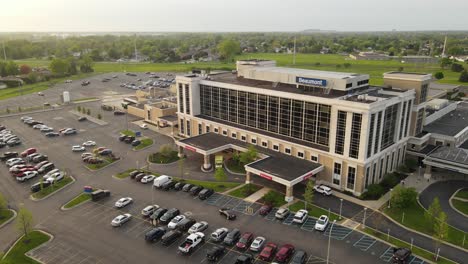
(181,151)
(289,194)
(247,177)
(427,172)
(206,162)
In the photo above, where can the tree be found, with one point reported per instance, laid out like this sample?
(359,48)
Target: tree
(439,75)
(445,62)
(3,202)
(166,150)
(432,212)
(181,165)
(309,193)
(228,48)
(24,223)
(78,108)
(403,197)
(11,68)
(88,112)
(99,116)
(441,227)
(463,76)
(86,65)
(457,67)
(59,66)
(270,198)
(72,66)
(249,155)
(25,69)
(220,175)
(400,69)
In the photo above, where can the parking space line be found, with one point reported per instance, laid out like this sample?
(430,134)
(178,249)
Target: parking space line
(271,216)
(365,242)
(387,255)
(132,228)
(338,232)
(309,224)
(289,219)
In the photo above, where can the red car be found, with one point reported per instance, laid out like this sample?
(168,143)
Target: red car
(19,167)
(15,173)
(264,210)
(284,253)
(40,164)
(245,240)
(27,152)
(268,252)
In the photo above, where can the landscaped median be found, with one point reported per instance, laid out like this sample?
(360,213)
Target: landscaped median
(17,253)
(106,162)
(128,132)
(165,155)
(313,210)
(216,186)
(145,142)
(52,188)
(461,206)
(5,215)
(245,191)
(125,174)
(81,198)
(463,193)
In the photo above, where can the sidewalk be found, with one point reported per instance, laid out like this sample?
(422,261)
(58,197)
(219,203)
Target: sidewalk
(257,195)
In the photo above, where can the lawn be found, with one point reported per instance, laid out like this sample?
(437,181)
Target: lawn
(107,161)
(399,243)
(5,215)
(414,219)
(274,198)
(163,159)
(128,132)
(84,99)
(52,188)
(216,186)
(313,210)
(234,166)
(462,194)
(83,197)
(17,253)
(460,205)
(245,190)
(144,143)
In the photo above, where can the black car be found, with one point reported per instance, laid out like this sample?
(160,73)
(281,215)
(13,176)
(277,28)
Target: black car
(139,176)
(170,237)
(167,217)
(178,186)
(205,193)
(215,253)
(232,237)
(187,187)
(99,194)
(155,234)
(226,212)
(300,257)
(39,158)
(134,173)
(122,137)
(2,144)
(185,224)
(117,112)
(245,259)
(52,134)
(129,139)
(158,213)
(401,255)
(83,118)
(136,142)
(168,185)
(13,143)
(37,186)
(8,155)
(195,190)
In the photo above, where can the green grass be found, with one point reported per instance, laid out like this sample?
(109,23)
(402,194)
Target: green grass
(461,206)
(83,197)
(128,132)
(52,188)
(462,194)
(17,253)
(313,210)
(216,186)
(399,243)
(160,159)
(234,166)
(414,219)
(276,199)
(84,99)
(245,190)
(107,161)
(5,215)
(144,143)
(124,174)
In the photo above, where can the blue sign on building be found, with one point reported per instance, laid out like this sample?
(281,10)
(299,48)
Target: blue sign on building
(311,81)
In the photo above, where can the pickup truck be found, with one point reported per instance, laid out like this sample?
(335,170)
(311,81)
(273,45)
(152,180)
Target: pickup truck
(191,242)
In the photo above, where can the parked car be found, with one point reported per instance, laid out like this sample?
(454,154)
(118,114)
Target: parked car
(219,234)
(55,177)
(121,219)
(321,223)
(245,259)
(40,158)
(300,216)
(133,173)
(265,209)
(284,253)
(168,185)
(245,241)
(178,186)
(158,213)
(46,129)
(282,213)
(26,176)
(191,242)
(147,178)
(89,143)
(99,194)
(135,142)
(37,186)
(70,132)
(185,224)
(300,257)
(170,237)
(155,234)
(401,255)
(46,168)
(226,212)
(187,187)
(205,193)
(31,156)
(122,137)
(144,126)
(28,152)
(232,237)
(139,176)
(268,252)
(214,254)
(78,148)
(52,134)
(149,210)
(8,155)
(122,202)
(129,139)
(257,244)
(167,217)
(82,118)
(175,221)
(198,227)
(105,152)
(118,112)
(195,190)
(159,181)
(323,189)
(14,161)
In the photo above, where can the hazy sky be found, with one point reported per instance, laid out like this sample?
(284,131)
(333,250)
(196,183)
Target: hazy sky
(233,15)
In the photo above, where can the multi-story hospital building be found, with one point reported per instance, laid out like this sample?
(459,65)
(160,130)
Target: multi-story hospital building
(345,132)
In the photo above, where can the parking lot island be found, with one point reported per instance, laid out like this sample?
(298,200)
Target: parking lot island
(17,253)
(52,189)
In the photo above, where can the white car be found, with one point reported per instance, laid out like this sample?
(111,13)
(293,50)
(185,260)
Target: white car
(55,177)
(14,161)
(149,210)
(46,129)
(27,175)
(40,93)
(147,178)
(121,219)
(198,227)
(24,118)
(39,126)
(282,213)
(175,221)
(323,189)
(300,216)
(257,244)
(122,202)
(89,143)
(50,173)
(78,148)
(144,126)
(68,81)
(321,223)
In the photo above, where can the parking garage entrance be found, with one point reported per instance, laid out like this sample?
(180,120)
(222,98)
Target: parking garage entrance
(271,165)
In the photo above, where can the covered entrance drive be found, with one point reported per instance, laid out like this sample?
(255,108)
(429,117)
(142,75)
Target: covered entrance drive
(271,165)
(449,158)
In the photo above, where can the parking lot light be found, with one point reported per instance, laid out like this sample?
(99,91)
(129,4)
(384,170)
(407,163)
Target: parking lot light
(329,241)
(341,206)
(364,218)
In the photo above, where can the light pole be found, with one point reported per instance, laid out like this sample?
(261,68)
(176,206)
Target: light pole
(364,219)
(329,241)
(341,206)
(390,193)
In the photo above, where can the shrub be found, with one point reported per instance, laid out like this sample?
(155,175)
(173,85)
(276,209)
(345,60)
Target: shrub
(99,116)
(403,197)
(389,181)
(439,75)
(457,67)
(88,112)
(463,76)
(347,65)
(374,192)
(78,108)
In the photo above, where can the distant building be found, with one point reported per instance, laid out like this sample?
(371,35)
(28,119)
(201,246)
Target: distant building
(369,55)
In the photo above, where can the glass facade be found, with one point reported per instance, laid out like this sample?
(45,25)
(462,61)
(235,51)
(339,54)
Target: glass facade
(340,132)
(423,95)
(293,118)
(355,136)
(390,121)
(181,98)
(187,99)
(419,121)
(371,135)
(351,178)
(336,173)
(377,132)
(403,112)
(408,113)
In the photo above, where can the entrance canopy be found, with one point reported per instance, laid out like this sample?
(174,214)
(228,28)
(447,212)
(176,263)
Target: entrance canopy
(450,158)
(272,165)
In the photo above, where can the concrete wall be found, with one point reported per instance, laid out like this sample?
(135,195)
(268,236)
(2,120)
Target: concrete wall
(136,111)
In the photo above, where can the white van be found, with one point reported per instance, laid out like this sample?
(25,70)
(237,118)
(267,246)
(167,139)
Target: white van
(159,181)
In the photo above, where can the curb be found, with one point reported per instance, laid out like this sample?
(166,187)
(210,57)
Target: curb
(9,220)
(17,240)
(85,101)
(47,242)
(66,209)
(52,193)
(453,207)
(231,172)
(163,164)
(136,150)
(108,165)
(90,118)
(32,112)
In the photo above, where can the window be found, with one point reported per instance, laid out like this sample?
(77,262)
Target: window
(181,98)
(408,113)
(252,110)
(242,108)
(273,109)
(253,141)
(391,164)
(419,121)
(297,119)
(223,103)
(285,116)
(337,173)
(234,135)
(216,130)
(403,112)
(182,126)
(207,129)
(340,132)
(243,138)
(355,136)
(367,177)
(224,132)
(374,169)
(265,144)
(359,83)
(371,136)
(377,133)
(233,106)
(188,128)
(351,178)
(381,168)
(313,158)
(389,125)
(423,95)
(300,154)
(200,129)
(187,99)
(349,85)
(149,115)
(287,151)
(276,147)
(262,112)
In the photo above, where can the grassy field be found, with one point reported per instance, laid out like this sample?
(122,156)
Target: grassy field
(245,190)
(216,186)
(5,215)
(83,197)
(313,210)
(144,143)
(52,188)
(414,219)
(158,158)
(462,194)
(17,253)
(461,206)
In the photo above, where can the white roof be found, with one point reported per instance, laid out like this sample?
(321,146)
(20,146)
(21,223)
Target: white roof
(307,73)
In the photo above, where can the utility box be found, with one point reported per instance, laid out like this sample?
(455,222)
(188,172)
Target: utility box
(66,97)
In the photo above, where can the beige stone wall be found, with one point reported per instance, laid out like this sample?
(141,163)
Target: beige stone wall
(136,111)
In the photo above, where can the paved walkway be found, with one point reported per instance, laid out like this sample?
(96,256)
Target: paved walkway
(257,195)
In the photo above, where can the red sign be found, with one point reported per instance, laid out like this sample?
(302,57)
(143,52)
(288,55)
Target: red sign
(266,176)
(308,176)
(190,148)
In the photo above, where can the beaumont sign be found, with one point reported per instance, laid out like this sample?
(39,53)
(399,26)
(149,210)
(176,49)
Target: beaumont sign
(311,81)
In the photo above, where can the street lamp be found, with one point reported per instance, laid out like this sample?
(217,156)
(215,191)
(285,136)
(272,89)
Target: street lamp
(364,219)
(390,198)
(329,240)
(341,206)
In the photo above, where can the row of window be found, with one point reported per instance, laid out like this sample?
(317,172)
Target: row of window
(183,102)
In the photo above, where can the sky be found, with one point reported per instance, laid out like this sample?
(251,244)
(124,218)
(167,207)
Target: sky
(231,16)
